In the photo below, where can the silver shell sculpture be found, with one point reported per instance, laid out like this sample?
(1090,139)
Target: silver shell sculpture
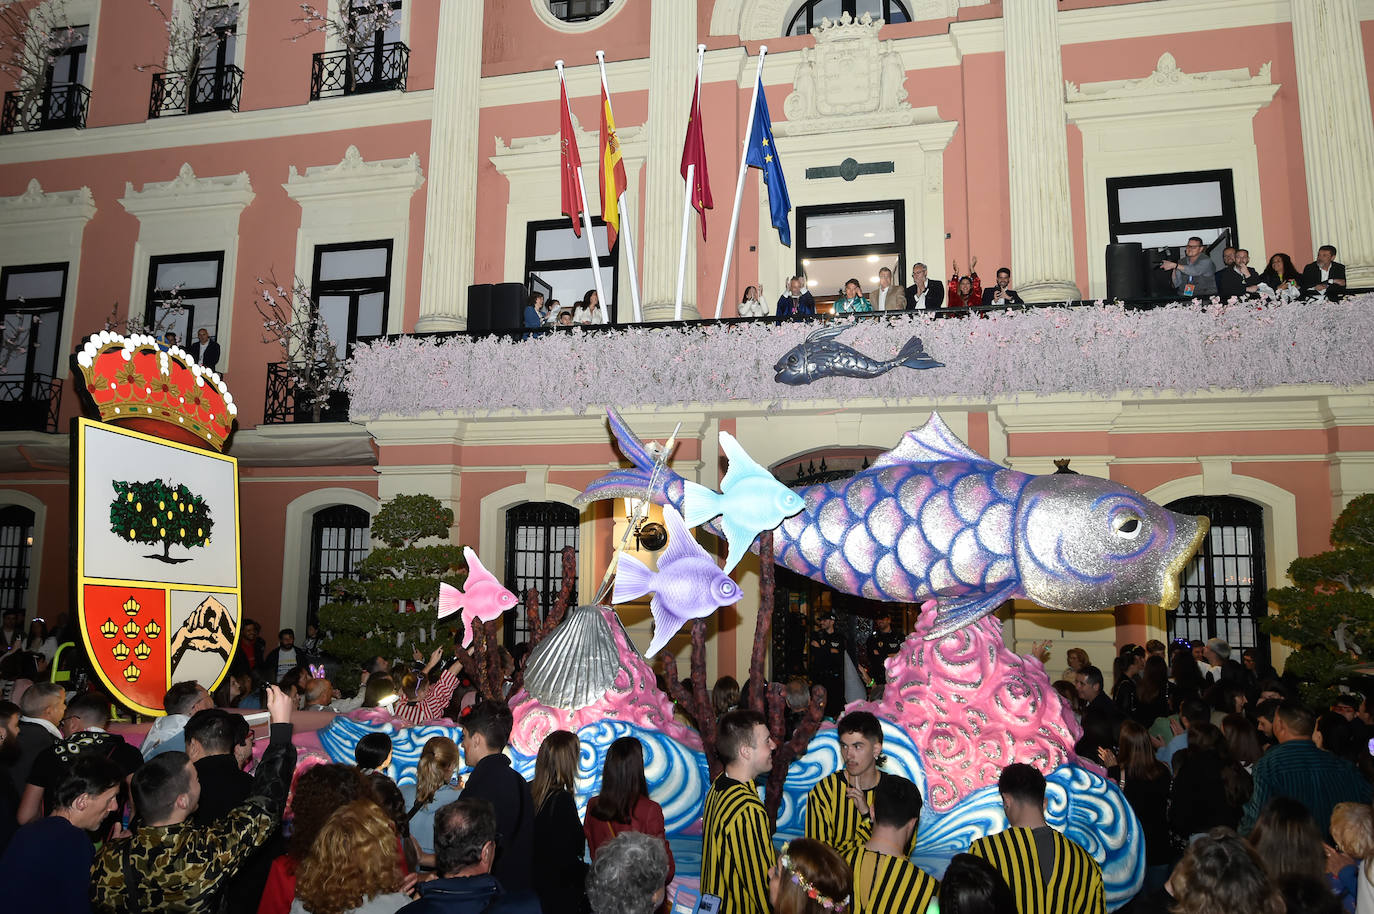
(578,661)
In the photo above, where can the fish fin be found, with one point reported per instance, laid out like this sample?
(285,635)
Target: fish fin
(450,600)
(666,625)
(475,567)
(914,355)
(931,443)
(633,579)
(627,483)
(740,538)
(681,543)
(467,629)
(699,504)
(741,466)
(953,613)
(828,332)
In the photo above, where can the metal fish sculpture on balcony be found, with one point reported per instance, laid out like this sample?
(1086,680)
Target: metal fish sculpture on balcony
(821,355)
(934,519)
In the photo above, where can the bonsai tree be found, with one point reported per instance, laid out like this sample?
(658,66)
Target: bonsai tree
(155,512)
(392,606)
(1328,613)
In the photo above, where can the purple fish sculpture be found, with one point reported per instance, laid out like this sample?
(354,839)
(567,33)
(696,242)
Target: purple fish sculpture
(934,519)
(688,584)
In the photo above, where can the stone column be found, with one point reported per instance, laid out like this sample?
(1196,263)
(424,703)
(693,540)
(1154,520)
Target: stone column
(1337,132)
(451,204)
(1038,154)
(672,48)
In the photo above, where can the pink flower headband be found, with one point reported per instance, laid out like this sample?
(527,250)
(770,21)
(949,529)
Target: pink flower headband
(805,885)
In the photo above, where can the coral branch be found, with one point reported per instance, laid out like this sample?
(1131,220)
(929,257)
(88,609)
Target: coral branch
(763,627)
(790,750)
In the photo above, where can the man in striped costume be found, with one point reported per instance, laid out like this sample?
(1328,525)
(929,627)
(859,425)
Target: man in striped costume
(885,879)
(736,851)
(837,809)
(1048,873)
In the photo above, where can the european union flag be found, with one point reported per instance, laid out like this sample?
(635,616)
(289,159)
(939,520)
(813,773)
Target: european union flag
(764,154)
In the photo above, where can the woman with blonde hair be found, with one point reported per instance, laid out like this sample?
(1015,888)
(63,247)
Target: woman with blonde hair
(810,878)
(352,867)
(559,845)
(1348,863)
(434,786)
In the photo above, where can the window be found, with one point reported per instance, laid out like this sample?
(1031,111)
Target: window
(1166,210)
(352,287)
(339,540)
(31,309)
(64,94)
(217,82)
(810,13)
(578,10)
(16,545)
(370,67)
(536,533)
(850,241)
(184,294)
(1224,587)
(557,258)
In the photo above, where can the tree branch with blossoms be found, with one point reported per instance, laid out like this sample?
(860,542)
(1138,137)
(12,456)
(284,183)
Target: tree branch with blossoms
(194,31)
(32,38)
(354,27)
(292,320)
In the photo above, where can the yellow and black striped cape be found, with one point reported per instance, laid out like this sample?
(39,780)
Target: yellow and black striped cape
(1075,882)
(884,884)
(736,853)
(832,818)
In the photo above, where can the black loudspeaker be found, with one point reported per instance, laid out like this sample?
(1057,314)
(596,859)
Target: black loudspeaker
(1125,271)
(1160,283)
(508,306)
(479,308)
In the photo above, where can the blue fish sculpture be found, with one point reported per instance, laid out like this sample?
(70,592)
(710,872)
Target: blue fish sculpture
(688,584)
(822,355)
(751,500)
(934,519)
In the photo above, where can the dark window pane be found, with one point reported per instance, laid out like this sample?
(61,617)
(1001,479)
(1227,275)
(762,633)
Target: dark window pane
(536,533)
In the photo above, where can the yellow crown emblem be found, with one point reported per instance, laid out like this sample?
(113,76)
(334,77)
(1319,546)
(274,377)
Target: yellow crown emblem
(109,629)
(131,629)
(121,652)
(131,607)
(152,630)
(142,650)
(131,673)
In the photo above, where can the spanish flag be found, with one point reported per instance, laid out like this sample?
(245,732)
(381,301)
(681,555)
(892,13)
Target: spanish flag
(612,177)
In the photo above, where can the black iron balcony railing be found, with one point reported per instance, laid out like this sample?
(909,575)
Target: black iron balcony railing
(281,404)
(380,69)
(213,89)
(29,403)
(53,108)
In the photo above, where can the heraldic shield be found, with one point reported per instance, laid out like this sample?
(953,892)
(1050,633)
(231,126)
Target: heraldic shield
(157,562)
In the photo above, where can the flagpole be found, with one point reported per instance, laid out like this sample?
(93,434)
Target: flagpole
(687,203)
(586,218)
(739,185)
(625,220)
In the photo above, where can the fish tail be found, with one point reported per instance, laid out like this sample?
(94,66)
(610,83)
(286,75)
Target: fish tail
(632,483)
(914,355)
(467,628)
(699,504)
(450,600)
(633,579)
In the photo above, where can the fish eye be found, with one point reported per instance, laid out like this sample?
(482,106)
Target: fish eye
(1126,524)
(791,360)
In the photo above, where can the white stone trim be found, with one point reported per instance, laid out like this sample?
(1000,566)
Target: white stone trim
(295,572)
(1131,127)
(357,200)
(188,215)
(530,165)
(46,227)
(40,529)
(541,10)
(491,538)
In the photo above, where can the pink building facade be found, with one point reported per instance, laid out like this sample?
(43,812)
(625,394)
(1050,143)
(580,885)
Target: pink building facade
(1026,133)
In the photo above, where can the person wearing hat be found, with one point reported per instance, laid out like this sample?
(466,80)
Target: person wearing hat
(1217,653)
(827,662)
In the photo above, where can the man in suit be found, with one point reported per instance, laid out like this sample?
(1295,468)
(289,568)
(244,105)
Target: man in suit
(1324,274)
(205,350)
(888,297)
(1237,280)
(1001,294)
(796,301)
(922,295)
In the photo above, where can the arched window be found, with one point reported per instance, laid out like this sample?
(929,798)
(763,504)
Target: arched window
(16,545)
(536,533)
(810,13)
(1224,586)
(339,540)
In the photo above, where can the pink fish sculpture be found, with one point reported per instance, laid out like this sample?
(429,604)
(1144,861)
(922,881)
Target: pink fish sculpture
(688,584)
(482,598)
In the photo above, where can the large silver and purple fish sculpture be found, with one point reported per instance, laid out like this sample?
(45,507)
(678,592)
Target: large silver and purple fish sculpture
(934,519)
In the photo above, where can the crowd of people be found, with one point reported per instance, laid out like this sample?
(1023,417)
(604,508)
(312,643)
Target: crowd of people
(1244,797)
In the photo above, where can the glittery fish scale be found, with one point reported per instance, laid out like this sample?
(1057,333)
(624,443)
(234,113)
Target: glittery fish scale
(939,521)
(885,520)
(861,496)
(835,520)
(859,550)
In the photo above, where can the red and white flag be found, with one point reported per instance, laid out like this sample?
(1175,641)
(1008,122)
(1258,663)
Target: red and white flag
(694,153)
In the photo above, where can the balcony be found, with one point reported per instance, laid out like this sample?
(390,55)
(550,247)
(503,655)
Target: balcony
(379,69)
(53,108)
(212,89)
(29,403)
(280,405)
